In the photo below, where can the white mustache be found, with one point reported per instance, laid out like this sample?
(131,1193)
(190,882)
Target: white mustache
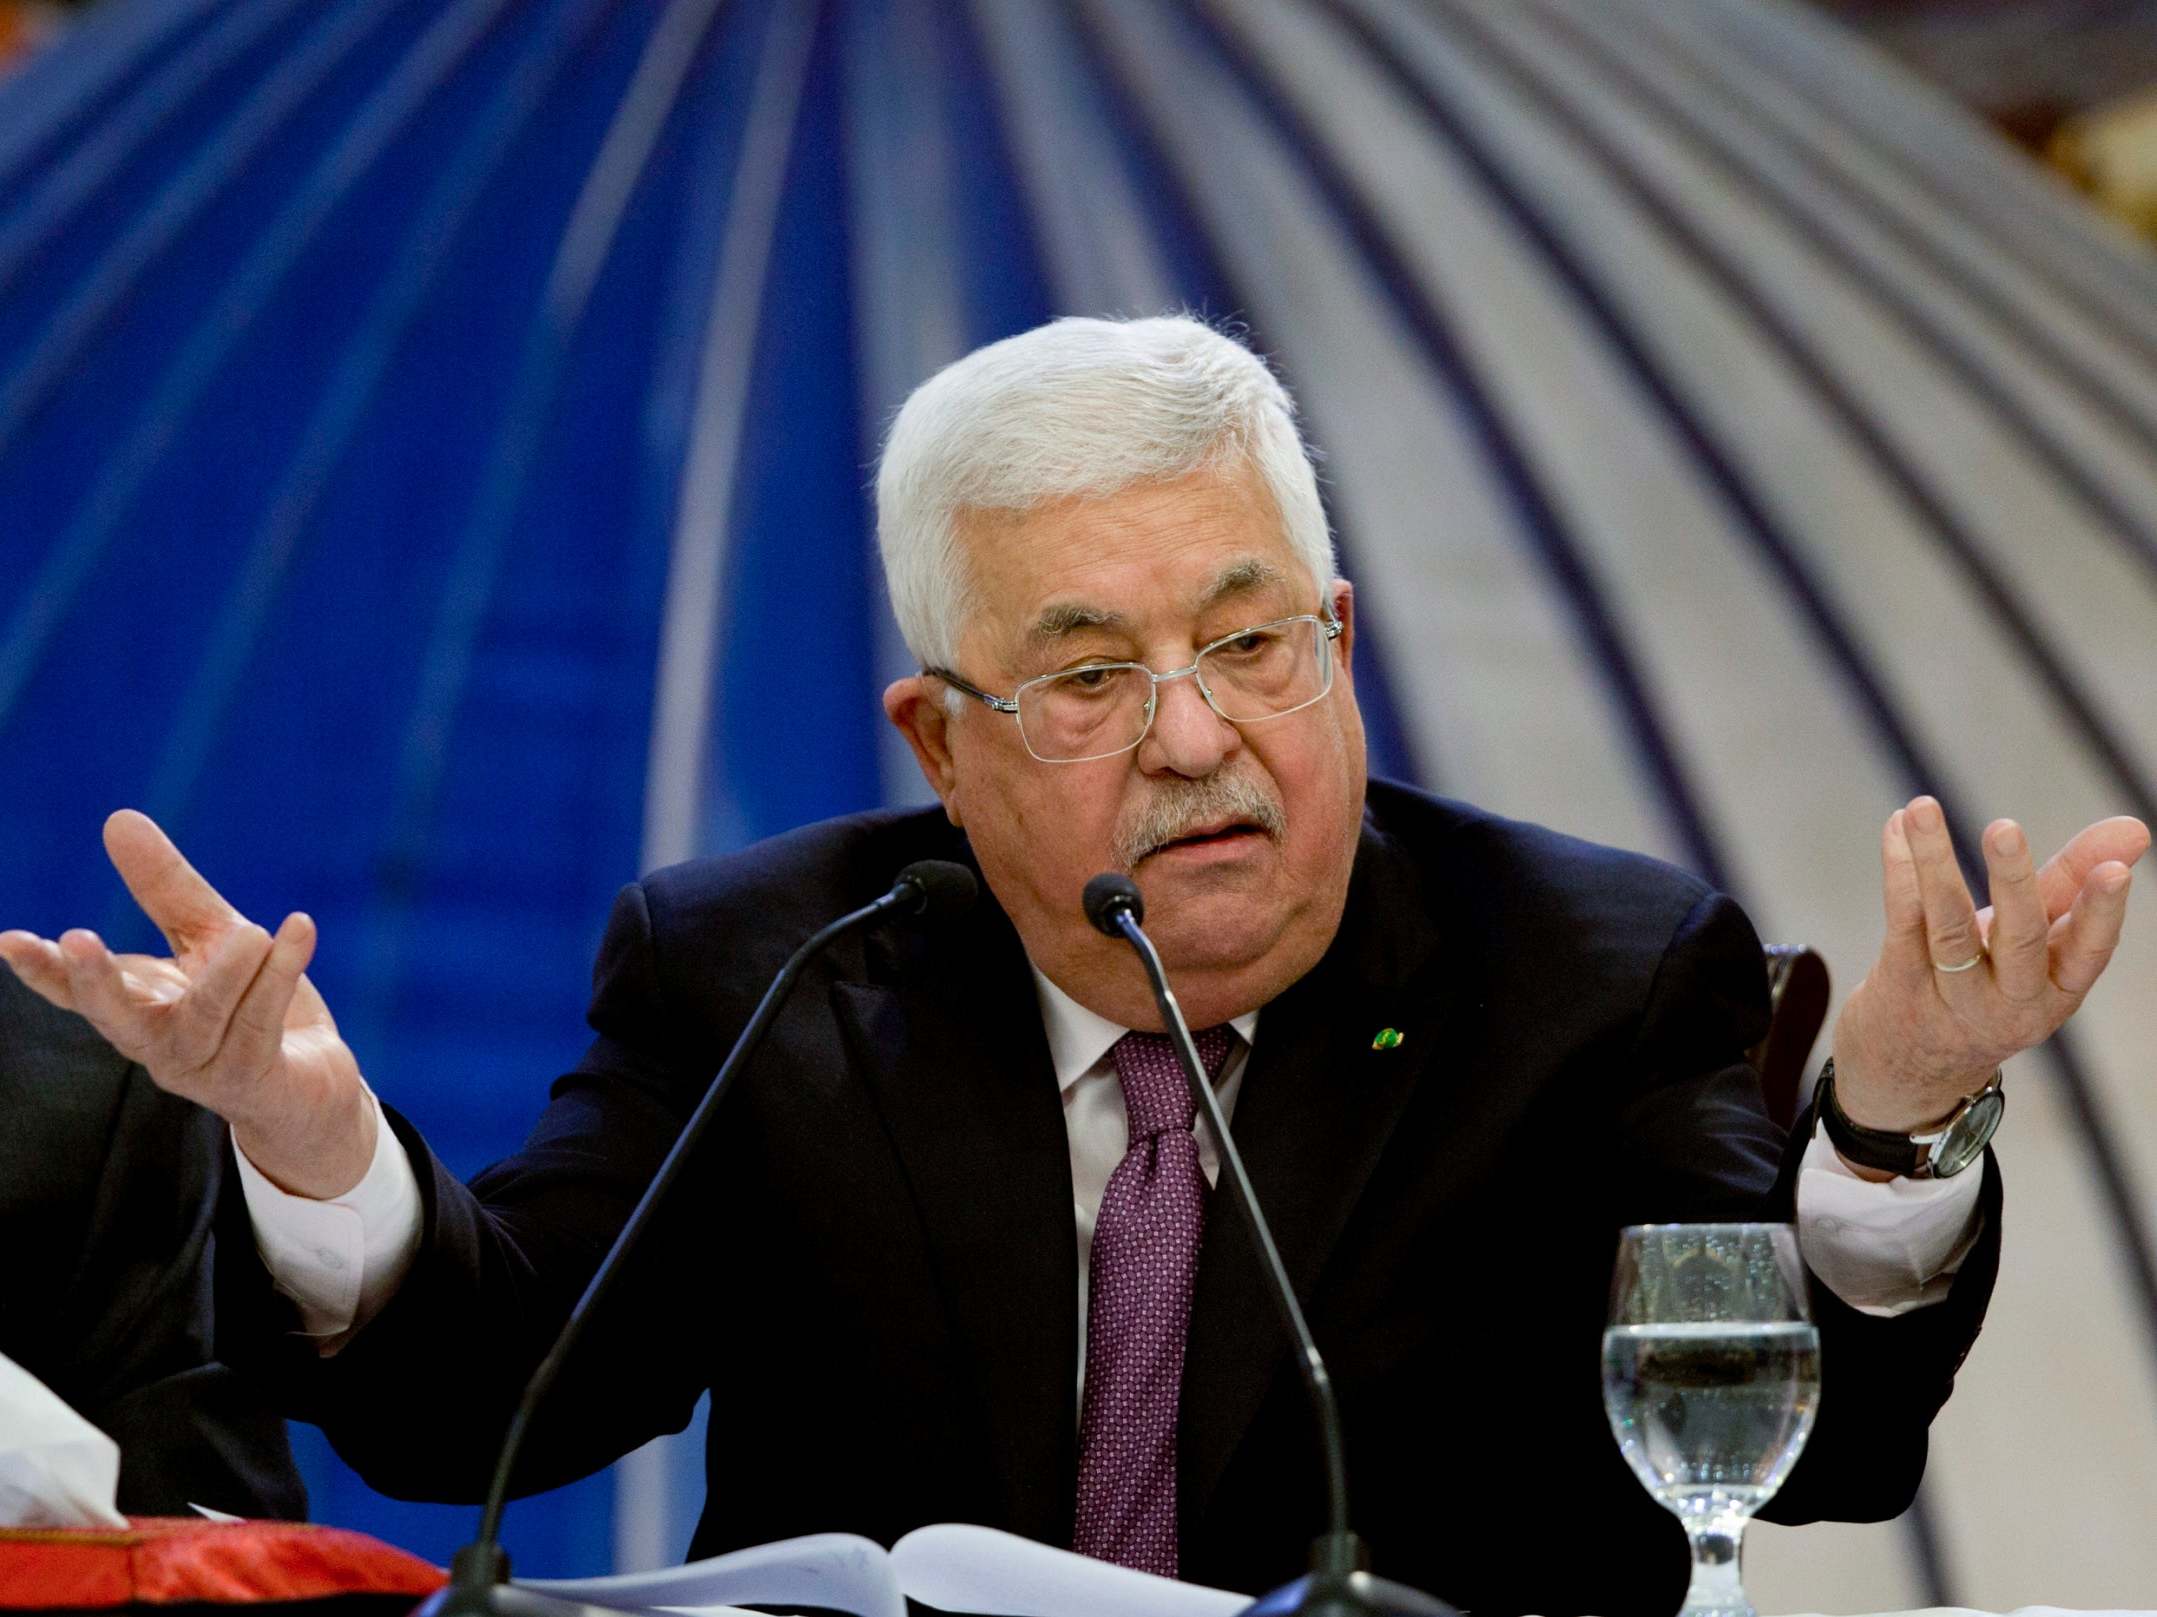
(1178,809)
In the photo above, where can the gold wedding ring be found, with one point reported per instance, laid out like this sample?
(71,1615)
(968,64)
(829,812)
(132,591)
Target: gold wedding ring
(1965,966)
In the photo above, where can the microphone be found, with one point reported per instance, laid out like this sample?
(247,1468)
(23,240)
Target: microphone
(941,889)
(1108,898)
(928,889)
(1338,1584)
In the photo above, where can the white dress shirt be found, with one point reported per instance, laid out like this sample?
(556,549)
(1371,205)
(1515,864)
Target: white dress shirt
(1885,1248)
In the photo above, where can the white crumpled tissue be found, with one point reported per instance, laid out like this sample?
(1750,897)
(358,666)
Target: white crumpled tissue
(56,1469)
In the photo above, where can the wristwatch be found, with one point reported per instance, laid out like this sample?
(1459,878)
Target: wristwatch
(1939,1153)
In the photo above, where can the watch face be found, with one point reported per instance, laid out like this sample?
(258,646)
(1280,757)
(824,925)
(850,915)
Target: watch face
(1965,1138)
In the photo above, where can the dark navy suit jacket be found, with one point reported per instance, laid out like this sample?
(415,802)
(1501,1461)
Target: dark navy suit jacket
(872,1266)
(108,1190)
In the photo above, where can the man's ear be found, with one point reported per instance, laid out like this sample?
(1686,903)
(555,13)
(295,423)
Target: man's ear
(1341,595)
(916,706)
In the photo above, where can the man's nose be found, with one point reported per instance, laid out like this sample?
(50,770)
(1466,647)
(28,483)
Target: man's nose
(1188,737)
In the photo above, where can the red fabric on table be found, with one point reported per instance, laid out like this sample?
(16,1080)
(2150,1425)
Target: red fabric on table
(171,1561)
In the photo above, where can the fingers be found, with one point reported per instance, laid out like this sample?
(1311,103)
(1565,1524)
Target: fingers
(2091,930)
(2018,940)
(258,1022)
(1951,934)
(196,1039)
(150,980)
(168,888)
(204,1036)
(101,996)
(1904,950)
(41,966)
(2121,839)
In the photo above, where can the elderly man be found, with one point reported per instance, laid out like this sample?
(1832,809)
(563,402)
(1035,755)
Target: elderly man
(948,1255)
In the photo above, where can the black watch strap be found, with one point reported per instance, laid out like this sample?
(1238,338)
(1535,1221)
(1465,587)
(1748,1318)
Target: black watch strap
(1883,1149)
(1939,1154)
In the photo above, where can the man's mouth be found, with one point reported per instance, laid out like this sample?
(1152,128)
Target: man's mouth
(1223,834)
(1219,817)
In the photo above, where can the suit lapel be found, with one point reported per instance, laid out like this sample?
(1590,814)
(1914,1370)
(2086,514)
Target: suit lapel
(958,1066)
(1317,1105)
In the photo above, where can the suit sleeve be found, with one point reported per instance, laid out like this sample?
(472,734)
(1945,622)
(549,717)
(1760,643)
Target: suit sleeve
(1708,1150)
(419,1400)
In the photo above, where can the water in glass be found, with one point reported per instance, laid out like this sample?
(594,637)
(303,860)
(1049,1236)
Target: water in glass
(1711,1377)
(1711,1415)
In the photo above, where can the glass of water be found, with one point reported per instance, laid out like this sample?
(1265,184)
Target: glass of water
(1711,1376)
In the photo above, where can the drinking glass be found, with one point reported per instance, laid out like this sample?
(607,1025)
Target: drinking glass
(1711,1376)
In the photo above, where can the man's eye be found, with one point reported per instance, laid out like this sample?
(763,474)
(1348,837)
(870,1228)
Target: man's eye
(1089,679)
(1248,644)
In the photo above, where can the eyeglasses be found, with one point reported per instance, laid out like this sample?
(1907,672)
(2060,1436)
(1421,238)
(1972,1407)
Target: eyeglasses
(1267,671)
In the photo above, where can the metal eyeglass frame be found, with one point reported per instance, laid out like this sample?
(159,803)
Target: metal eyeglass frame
(1326,622)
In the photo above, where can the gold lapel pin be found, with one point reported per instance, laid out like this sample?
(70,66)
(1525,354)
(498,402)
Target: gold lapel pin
(1388,1038)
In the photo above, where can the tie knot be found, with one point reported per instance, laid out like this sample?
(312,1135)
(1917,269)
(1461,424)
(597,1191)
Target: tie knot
(1155,1097)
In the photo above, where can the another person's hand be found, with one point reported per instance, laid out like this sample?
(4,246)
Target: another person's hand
(1957,990)
(229,1020)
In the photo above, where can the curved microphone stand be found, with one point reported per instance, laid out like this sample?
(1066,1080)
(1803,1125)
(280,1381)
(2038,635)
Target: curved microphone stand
(1339,1583)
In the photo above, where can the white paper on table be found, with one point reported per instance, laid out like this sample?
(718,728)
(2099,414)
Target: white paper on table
(952,1567)
(957,1568)
(836,1571)
(56,1469)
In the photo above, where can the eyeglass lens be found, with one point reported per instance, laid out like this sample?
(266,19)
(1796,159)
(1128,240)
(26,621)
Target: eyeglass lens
(1261,673)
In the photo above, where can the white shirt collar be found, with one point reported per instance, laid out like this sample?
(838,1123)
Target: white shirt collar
(1079,1038)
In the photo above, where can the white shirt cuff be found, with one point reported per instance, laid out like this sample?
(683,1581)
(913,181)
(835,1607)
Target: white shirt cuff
(339,1260)
(1889,1246)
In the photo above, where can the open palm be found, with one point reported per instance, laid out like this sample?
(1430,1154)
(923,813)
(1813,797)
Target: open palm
(228,1020)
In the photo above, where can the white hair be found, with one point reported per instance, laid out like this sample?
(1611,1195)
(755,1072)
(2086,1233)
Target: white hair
(1076,408)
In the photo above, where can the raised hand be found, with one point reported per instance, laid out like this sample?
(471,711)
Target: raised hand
(1957,989)
(229,1020)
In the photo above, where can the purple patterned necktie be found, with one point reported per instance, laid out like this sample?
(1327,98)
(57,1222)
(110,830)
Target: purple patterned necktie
(1138,1309)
